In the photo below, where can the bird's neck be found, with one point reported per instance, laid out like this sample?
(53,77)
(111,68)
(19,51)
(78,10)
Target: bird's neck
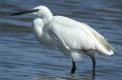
(47,17)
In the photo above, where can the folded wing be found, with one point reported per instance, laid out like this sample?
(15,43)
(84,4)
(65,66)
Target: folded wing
(76,35)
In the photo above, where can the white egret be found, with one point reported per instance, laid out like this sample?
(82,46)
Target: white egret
(73,38)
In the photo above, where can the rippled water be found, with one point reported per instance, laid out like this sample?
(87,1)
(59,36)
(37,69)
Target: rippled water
(23,58)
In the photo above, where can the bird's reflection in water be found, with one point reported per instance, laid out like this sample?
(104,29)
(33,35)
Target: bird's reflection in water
(69,77)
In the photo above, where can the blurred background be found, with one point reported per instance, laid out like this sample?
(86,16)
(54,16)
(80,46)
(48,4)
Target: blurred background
(23,58)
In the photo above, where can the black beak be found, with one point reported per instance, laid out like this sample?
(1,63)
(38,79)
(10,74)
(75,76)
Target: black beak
(24,12)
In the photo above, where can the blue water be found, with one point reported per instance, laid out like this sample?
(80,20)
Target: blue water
(23,58)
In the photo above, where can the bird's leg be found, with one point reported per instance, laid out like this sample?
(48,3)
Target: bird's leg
(73,68)
(93,63)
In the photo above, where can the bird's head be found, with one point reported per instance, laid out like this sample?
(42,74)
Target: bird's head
(41,11)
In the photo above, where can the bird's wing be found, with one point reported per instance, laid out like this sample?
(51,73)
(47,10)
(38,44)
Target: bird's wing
(76,35)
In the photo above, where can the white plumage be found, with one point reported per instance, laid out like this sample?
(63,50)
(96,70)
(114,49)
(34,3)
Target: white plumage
(70,36)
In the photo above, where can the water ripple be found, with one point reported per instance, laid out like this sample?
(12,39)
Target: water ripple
(23,58)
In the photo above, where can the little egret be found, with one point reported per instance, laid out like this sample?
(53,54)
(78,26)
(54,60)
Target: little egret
(71,37)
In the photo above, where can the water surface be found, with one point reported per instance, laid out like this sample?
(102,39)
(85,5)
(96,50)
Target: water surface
(23,58)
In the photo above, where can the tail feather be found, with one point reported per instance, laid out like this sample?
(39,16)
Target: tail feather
(101,44)
(105,48)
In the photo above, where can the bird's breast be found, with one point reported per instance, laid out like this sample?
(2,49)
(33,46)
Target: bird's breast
(43,37)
